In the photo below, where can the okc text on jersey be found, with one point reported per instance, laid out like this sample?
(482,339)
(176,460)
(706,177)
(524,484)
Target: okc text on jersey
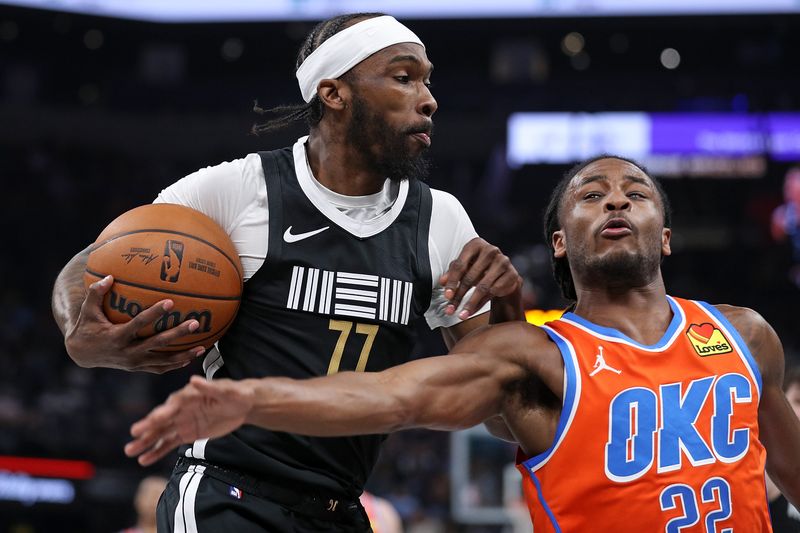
(637,440)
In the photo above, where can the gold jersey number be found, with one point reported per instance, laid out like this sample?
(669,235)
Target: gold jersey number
(344,328)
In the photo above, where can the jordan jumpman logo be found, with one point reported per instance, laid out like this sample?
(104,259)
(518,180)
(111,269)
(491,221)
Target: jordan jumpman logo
(600,364)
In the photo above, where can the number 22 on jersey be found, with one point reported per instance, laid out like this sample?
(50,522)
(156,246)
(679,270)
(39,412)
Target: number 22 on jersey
(715,490)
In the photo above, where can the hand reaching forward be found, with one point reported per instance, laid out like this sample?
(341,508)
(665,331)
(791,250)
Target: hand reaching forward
(201,409)
(483,266)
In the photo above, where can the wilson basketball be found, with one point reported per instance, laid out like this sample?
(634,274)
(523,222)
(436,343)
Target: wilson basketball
(161,251)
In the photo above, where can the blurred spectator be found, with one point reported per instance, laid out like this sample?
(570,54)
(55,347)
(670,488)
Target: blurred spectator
(786,220)
(145,502)
(383,517)
(785,517)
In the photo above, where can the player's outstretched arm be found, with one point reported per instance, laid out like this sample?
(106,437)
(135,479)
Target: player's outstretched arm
(438,393)
(92,340)
(778,425)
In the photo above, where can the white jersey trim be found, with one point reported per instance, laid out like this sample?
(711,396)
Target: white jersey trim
(212,362)
(185,519)
(316,196)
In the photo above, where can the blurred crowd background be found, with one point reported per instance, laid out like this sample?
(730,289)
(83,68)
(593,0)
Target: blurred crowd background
(98,114)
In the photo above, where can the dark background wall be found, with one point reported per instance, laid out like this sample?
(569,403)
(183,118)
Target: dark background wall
(97,115)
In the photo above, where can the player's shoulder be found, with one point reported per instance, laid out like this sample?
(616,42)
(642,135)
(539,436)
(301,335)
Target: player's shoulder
(445,201)
(447,211)
(241,169)
(248,166)
(741,316)
(754,328)
(222,191)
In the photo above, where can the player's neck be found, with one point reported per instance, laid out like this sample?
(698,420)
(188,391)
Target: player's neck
(339,168)
(641,313)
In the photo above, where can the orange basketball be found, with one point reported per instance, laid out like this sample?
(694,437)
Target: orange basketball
(161,251)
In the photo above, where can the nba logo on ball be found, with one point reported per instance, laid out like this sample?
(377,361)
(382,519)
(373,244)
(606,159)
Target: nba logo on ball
(128,249)
(171,262)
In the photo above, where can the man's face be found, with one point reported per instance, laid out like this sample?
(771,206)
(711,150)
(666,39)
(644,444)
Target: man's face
(391,110)
(612,225)
(793,395)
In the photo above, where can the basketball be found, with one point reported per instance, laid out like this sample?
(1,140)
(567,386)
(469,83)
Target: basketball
(161,251)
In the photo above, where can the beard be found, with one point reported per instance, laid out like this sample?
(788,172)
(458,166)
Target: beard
(618,269)
(368,131)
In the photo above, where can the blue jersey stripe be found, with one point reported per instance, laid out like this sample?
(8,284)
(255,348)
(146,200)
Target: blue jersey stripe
(544,503)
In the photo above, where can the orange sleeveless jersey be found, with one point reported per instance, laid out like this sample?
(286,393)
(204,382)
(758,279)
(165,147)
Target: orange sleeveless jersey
(653,438)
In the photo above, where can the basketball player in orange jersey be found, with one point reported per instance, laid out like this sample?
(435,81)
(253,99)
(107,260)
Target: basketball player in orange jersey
(343,250)
(634,412)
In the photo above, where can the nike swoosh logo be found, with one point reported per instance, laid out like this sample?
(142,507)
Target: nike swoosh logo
(288,236)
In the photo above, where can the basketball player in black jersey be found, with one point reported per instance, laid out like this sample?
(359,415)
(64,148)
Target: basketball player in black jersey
(342,247)
(608,225)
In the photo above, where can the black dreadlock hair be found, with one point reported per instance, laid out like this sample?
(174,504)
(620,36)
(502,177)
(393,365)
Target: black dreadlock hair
(561,271)
(312,111)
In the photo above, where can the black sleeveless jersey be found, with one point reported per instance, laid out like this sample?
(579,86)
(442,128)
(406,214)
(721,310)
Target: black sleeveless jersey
(324,301)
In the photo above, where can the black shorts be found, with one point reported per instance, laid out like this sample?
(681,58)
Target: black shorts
(201,497)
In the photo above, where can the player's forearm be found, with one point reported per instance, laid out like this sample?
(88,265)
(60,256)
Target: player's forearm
(69,292)
(792,488)
(507,308)
(783,459)
(787,479)
(433,393)
(347,403)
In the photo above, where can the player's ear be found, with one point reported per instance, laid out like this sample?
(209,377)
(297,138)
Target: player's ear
(666,235)
(558,240)
(334,94)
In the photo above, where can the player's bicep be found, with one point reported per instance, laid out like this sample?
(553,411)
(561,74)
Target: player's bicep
(450,230)
(779,428)
(779,431)
(448,392)
(451,227)
(469,385)
(761,340)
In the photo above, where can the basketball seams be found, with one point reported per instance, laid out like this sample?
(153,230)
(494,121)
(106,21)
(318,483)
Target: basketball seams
(166,291)
(193,240)
(177,346)
(181,233)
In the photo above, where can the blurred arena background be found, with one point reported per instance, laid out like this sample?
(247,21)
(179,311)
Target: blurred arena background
(102,104)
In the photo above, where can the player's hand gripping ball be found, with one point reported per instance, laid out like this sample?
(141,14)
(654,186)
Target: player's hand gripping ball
(161,251)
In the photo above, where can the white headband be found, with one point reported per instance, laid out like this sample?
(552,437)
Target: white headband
(346,49)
